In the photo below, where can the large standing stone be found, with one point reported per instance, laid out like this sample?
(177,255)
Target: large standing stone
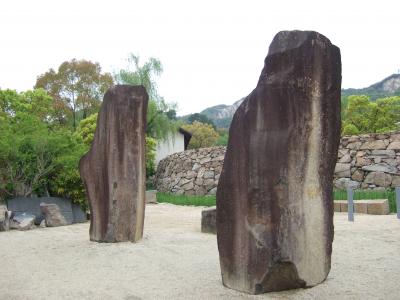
(274,198)
(113,171)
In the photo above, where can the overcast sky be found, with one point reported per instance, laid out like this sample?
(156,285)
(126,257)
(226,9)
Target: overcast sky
(212,51)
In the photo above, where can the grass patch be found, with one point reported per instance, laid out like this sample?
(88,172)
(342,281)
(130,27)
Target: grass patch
(186,200)
(369,195)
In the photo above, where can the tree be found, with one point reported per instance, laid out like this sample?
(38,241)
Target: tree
(364,116)
(161,116)
(77,85)
(200,118)
(203,135)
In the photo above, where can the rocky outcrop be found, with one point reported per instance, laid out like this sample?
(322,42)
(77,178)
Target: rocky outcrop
(52,215)
(113,171)
(274,198)
(192,172)
(369,161)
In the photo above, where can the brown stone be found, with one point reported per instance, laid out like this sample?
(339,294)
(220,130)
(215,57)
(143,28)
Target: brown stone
(278,168)
(113,171)
(379,179)
(336,206)
(52,215)
(373,145)
(360,207)
(394,146)
(378,207)
(358,175)
(396,181)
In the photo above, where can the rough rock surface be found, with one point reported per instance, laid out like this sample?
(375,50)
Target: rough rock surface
(4,218)
(113,171)
(22,221)
(52,215)
(274,198)
(209,220)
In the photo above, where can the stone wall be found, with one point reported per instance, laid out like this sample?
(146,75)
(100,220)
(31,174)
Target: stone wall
(370,161)
(192,172)
(366,161)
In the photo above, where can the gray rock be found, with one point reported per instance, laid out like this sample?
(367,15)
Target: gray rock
(208,174)
(394,145)
(52,215)
(43,224)
(378,179)
(395,181)
(342,170)
(208,220)
(4,218)
(23,221)
(373,145)
(384,153)
(382,167)
(344,183)
(345,159)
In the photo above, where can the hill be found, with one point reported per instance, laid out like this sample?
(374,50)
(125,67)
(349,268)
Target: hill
(222,114)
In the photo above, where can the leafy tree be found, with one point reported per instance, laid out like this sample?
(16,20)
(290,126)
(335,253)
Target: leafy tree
(203,135)
(364,116)
(223,138)
(77,85)
(201,118)
(161,116)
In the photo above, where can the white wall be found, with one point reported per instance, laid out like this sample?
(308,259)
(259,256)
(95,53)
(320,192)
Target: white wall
(170,146)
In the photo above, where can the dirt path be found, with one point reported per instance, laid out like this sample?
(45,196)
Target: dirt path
(176,261)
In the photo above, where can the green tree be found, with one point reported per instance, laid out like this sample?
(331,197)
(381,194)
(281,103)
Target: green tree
(203,135)
(200,118)
(364,116)
(161,116)
(77,85)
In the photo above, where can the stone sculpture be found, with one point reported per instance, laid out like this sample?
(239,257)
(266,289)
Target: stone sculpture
(113,171)
(274,198)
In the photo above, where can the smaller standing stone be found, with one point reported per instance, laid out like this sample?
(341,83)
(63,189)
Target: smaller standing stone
(208,220)
(52,215)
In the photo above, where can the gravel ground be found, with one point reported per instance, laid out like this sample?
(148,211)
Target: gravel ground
(175,260)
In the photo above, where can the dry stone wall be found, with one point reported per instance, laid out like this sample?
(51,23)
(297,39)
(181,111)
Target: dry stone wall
(366,161)
(370,161)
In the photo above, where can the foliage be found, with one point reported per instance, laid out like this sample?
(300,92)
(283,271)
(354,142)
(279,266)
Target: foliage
(77,85)
(200,118)
(223,137)
(203,135)
(161,116)
(369,195)
(150,156)
(186,200)
(360,115)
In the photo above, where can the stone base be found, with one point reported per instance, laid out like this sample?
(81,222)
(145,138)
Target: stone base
(372,207)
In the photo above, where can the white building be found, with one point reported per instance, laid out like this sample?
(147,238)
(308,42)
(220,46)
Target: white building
(173,144)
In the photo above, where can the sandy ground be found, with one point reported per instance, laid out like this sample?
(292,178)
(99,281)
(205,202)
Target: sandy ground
(176,261)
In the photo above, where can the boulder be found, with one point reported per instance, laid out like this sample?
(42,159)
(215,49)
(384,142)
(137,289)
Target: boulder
(113,171)
(394,145)
(22,221)
(374,145)
(342,170)
(358,175)
(381,167)
(344,183)
(395,181)
(208,220)
(4,218)
(52,215)
(378,179)
(274,197)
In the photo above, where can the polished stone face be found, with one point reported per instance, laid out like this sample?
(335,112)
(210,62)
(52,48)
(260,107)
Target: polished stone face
(274,198)
(113,171)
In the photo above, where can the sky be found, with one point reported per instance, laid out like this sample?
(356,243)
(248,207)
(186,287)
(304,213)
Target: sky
(212,51)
